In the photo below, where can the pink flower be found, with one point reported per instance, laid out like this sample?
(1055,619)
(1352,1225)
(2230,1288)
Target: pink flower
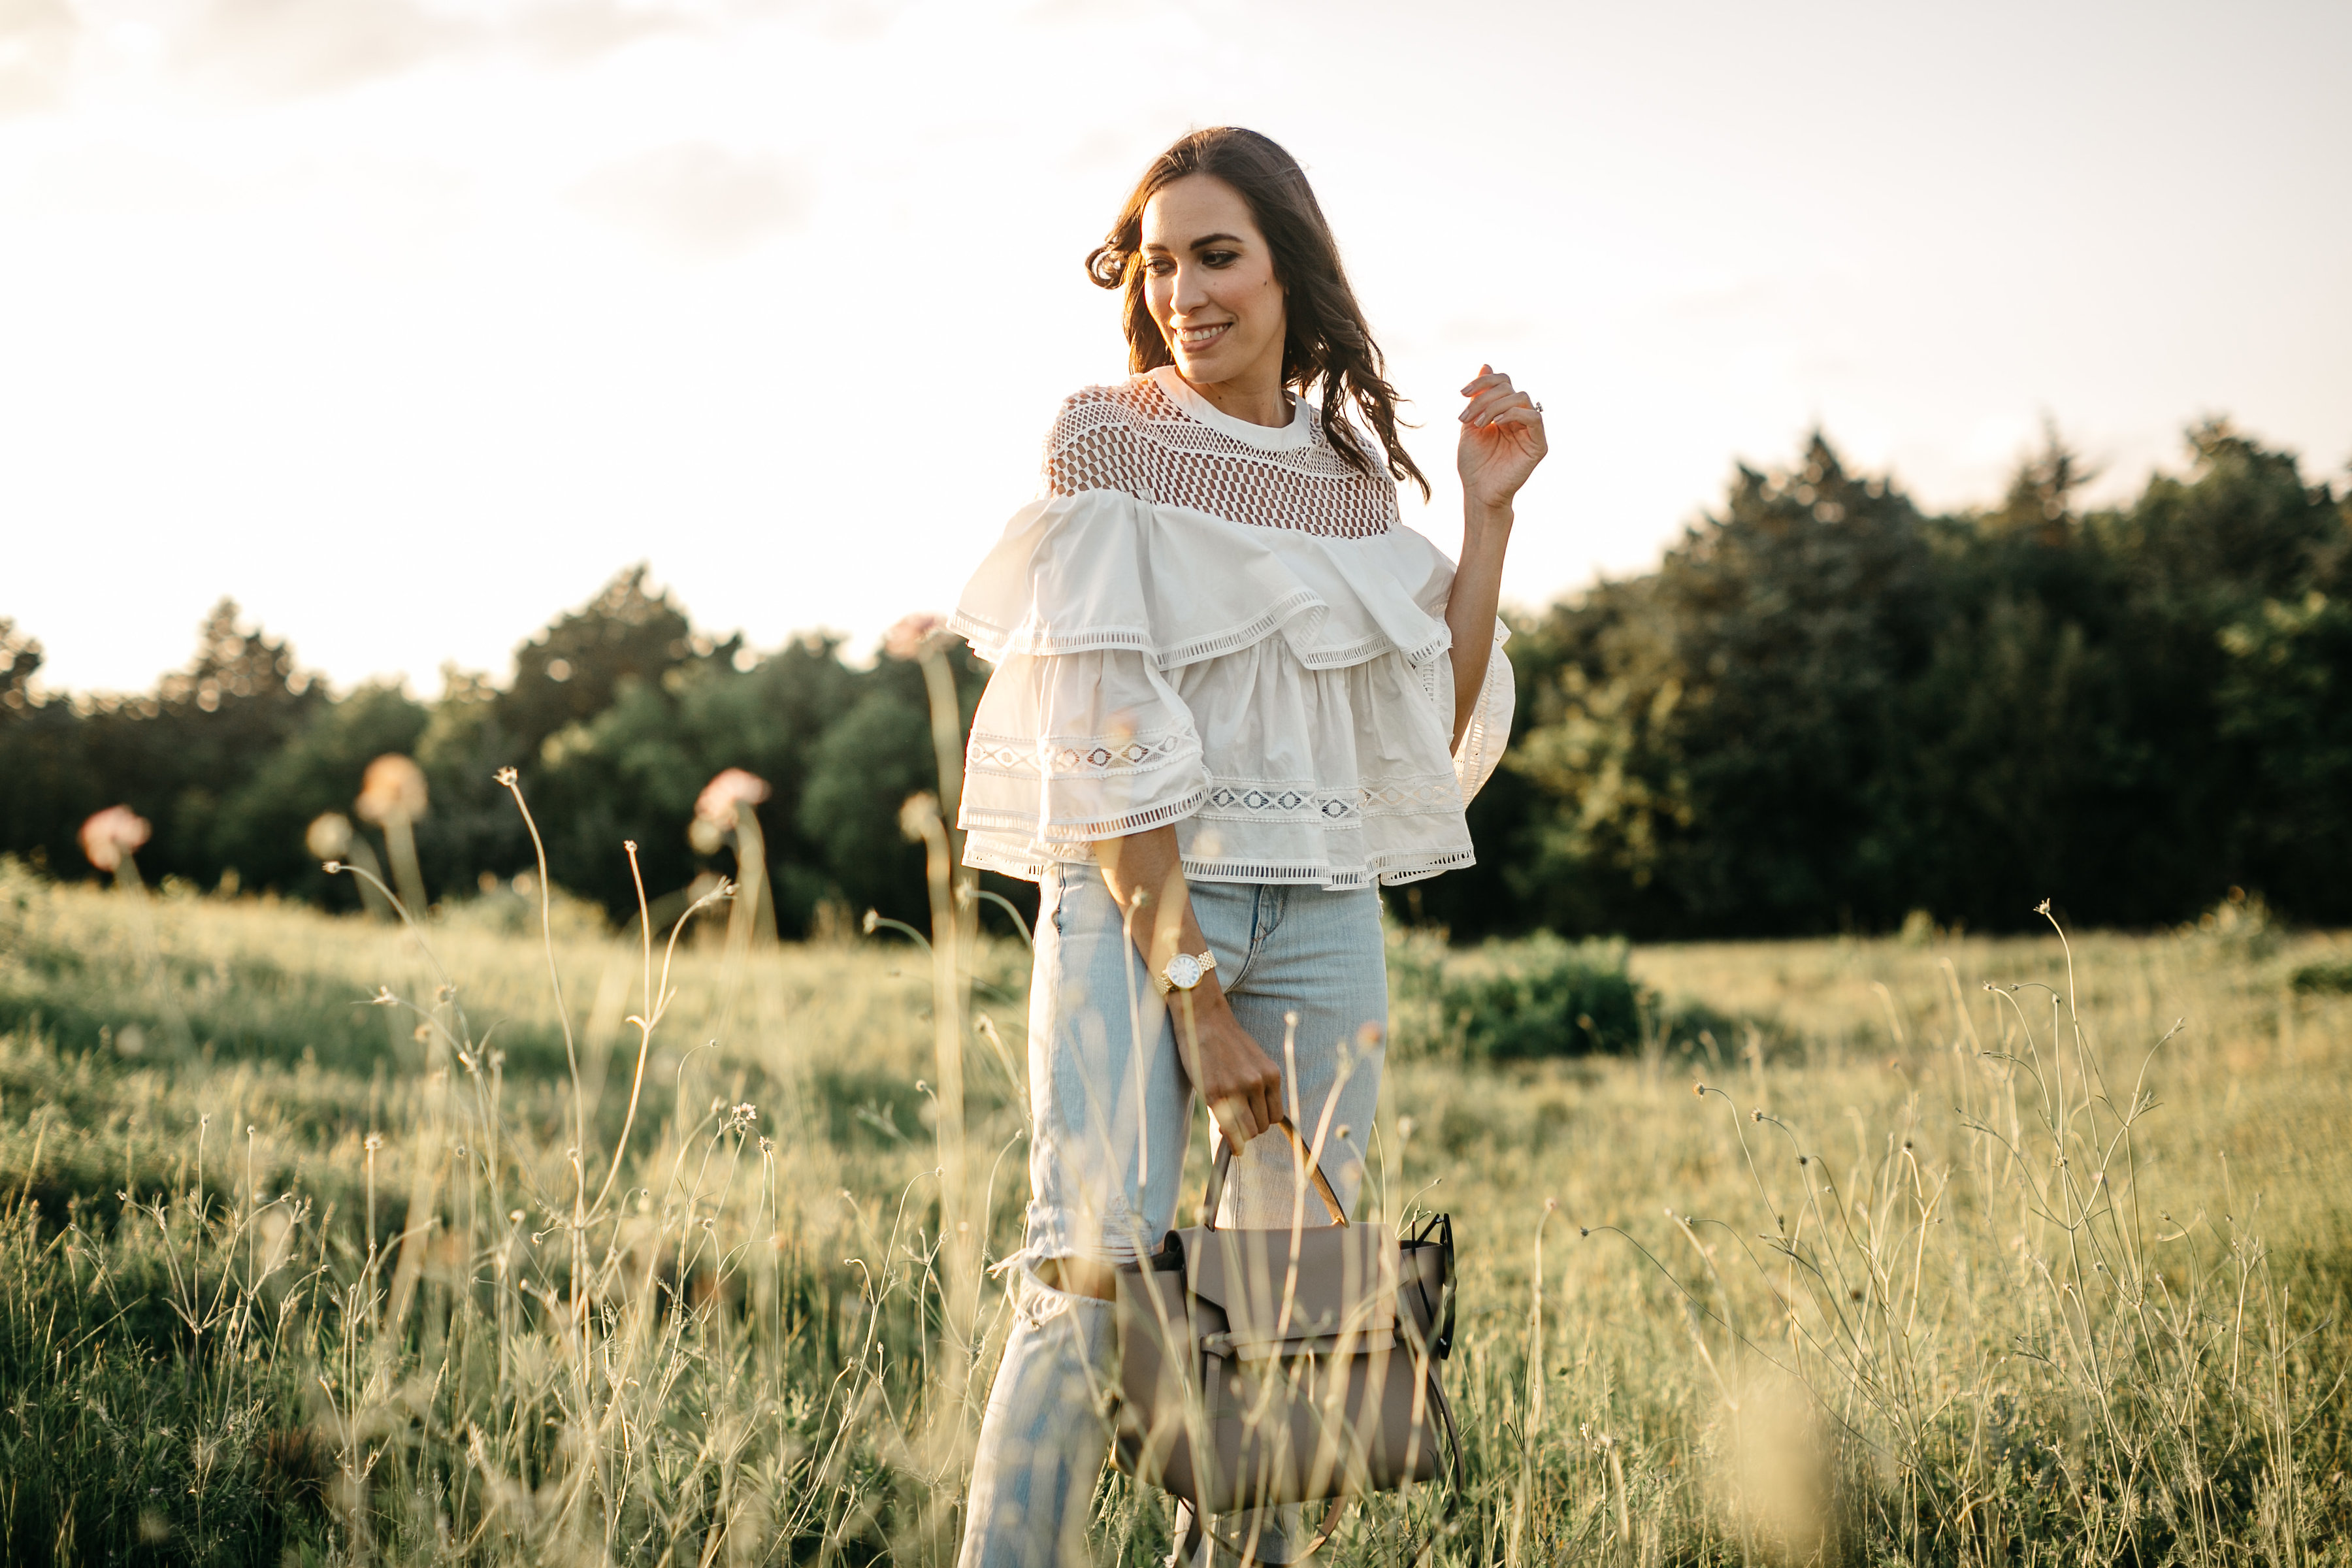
(732,789)
(906,639)
(111,834)
(392,786)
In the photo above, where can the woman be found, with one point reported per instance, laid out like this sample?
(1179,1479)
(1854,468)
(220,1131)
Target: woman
(1233,694)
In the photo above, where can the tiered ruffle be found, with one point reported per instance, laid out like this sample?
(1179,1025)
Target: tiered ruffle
(1124,633)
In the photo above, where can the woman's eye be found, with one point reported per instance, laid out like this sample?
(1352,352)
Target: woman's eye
(1218,258)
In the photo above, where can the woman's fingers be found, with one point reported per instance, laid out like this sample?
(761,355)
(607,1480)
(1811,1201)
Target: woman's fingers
(1484,408)
(1487,376)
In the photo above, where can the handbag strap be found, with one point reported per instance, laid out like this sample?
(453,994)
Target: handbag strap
(1198,1527)
(1216,1190)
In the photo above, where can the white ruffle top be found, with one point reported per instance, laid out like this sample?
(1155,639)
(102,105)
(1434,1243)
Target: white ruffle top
(1222,626)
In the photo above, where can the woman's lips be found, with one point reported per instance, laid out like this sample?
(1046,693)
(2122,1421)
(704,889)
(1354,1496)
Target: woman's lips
(1198,338)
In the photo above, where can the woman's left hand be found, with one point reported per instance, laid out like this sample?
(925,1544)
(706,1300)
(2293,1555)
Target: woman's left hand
(1501,439)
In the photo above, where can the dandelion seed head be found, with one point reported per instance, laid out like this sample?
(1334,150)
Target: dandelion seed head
(329,836)
(910,634)
(505,777)
(107,835)
(374,1142)
(729,789)
(392,786)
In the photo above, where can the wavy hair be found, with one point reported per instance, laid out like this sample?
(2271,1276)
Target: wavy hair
(1327,348)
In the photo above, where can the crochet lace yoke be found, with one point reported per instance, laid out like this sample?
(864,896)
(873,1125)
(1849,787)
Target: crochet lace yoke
(1154,438)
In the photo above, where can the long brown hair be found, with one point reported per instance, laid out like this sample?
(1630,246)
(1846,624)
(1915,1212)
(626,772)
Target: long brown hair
(1327,348)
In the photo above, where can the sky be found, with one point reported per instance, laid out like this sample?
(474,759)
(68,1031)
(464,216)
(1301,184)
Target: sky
(407,323)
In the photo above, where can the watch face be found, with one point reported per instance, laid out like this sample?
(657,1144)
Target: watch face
(1184,971)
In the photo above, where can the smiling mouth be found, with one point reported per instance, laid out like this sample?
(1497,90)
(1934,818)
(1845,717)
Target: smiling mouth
(1200,337)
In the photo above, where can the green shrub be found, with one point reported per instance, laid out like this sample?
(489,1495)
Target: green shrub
(1539,997)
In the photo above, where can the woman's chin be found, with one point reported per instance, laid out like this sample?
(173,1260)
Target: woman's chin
(1198,369)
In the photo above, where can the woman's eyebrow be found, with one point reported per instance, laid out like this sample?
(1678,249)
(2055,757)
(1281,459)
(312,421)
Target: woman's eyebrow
(1206,239)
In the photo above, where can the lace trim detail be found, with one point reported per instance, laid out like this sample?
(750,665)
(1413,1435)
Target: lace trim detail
(1136,439)
(994,643)
(1251,800)
(1014,757)
(1387,870)
(982,819)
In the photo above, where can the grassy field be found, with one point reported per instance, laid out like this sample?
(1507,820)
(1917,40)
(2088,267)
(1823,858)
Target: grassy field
(1939,1249)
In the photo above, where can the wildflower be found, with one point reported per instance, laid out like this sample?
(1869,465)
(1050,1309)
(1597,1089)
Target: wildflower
(111,834)
(909,634)
(743,1116)
(1699,1089)
(392,786)
(1757,1114)
(729,791)
(374,1142)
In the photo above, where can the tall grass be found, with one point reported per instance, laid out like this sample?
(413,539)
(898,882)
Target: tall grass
(355,1270)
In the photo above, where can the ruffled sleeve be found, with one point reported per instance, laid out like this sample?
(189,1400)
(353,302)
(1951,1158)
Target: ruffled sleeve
(1481,751)
(1067,748)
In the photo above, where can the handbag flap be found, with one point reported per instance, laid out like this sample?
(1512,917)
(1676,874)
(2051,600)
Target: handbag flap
(1334,1283)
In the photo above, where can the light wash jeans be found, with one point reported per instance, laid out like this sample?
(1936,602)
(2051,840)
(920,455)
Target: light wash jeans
(1111,1112)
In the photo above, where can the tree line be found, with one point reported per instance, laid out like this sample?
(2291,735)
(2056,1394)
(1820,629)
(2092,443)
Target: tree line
(1824,710)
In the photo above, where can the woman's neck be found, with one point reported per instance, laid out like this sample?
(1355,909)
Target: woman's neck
(1259,399)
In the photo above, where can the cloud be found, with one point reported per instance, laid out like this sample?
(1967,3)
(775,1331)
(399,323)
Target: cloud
(37,45)
(698,199)
(289,48)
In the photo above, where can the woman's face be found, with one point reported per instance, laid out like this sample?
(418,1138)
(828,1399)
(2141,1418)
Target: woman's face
(1209,281)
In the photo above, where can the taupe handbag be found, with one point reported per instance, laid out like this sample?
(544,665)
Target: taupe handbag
(1259,1367)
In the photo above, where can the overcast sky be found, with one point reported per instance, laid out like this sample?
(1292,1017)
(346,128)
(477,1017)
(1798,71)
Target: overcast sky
(408,323)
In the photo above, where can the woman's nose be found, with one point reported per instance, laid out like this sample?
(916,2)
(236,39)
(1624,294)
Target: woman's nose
(1190,292)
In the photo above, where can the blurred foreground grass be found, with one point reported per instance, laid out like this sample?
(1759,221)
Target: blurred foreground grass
(289,1277)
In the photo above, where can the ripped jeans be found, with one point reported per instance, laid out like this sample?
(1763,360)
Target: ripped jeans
(1110,1116)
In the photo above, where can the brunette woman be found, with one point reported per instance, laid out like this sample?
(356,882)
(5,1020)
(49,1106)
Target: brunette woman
(1234,696)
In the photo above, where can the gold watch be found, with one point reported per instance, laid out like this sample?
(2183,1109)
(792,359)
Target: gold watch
(1184,971)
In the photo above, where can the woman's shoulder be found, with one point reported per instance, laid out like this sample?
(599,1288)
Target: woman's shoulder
(1098,440)
(1121,407)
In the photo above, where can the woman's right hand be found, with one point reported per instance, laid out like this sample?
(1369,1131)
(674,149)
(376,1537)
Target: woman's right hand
(1228,1068)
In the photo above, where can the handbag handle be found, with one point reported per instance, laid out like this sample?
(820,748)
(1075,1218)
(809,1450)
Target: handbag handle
(1298,1148)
